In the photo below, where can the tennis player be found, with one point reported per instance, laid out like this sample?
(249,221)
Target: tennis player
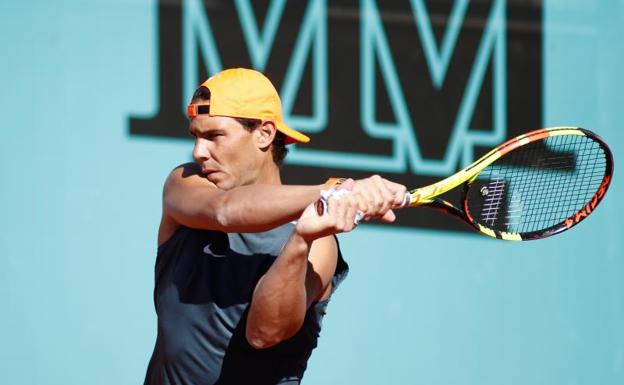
(245,264)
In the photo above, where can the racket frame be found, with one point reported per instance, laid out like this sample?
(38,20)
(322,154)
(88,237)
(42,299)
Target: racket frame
(427,196)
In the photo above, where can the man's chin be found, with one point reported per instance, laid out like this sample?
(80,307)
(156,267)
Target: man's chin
(220,180)
(214,178)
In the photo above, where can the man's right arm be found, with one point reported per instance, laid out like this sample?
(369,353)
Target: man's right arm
(192,200)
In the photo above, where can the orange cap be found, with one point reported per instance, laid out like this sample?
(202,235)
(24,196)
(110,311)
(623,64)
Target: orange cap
(245,93)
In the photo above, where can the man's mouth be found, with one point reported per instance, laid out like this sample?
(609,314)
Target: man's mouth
(207,171)
(211,174)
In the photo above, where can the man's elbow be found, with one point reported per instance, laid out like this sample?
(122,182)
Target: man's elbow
(222,218)
(265,337)
(224,212)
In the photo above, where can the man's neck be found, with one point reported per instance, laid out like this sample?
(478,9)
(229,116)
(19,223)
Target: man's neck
(270,174)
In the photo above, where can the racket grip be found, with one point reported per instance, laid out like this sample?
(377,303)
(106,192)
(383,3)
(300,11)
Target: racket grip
(406,200)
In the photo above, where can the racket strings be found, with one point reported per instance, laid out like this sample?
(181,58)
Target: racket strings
(539,185)
(494,192)
(573,192)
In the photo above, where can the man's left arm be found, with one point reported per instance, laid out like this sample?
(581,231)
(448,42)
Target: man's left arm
(300,276)
(302,273)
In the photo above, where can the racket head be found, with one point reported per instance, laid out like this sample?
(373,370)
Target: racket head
(538,184)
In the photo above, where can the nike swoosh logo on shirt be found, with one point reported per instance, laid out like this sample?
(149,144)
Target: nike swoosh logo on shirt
(209,251)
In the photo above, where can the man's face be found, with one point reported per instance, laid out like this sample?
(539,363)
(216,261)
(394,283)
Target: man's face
(225,150)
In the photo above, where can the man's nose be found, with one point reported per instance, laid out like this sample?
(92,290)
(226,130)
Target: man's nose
(200,151)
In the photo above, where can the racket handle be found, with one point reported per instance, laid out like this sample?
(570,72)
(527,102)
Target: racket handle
(406,200)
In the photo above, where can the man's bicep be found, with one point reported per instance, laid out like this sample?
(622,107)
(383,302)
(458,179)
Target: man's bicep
(322,258)
(189,199)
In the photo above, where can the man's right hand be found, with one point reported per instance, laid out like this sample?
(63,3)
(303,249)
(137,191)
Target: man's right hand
(378,196)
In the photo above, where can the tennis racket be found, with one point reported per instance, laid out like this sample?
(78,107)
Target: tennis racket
(530,187)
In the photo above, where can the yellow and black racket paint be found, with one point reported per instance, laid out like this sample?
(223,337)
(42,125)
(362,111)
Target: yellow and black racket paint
(530,187)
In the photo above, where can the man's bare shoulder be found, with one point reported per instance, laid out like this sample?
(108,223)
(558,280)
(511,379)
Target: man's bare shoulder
(184,171)
(185,201)
(187,174)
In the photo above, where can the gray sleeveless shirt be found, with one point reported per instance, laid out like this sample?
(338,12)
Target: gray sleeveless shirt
(204,283)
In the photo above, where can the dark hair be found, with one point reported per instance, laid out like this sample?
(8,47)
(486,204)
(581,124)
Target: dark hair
(202,93)
(278,149)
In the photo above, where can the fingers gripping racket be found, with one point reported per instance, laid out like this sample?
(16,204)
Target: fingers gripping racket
(530,187)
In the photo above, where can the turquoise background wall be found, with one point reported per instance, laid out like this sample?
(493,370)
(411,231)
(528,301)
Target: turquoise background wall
(80,205)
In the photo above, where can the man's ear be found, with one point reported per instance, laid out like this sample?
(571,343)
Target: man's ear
(265,134)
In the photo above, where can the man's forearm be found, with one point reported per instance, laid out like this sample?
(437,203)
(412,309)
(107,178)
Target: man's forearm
(262,207)
(279,302)
(190,200)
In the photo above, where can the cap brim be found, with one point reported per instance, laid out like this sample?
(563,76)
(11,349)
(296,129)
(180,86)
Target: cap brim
(292,136)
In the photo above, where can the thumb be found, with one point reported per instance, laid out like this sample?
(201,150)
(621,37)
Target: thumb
(389,216)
